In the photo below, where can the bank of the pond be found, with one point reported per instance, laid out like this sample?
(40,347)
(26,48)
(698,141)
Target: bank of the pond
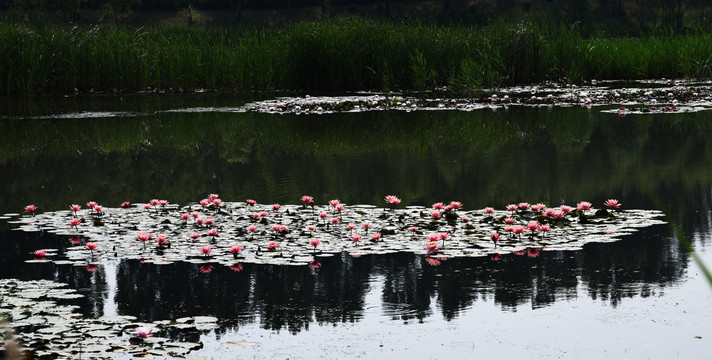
(333,54)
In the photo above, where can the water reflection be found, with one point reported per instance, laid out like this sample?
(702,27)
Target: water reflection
(480,158)
(291,298)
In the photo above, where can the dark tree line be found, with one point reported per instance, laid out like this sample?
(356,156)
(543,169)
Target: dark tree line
(630,14)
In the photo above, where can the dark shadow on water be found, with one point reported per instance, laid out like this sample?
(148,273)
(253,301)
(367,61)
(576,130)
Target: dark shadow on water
(411,289)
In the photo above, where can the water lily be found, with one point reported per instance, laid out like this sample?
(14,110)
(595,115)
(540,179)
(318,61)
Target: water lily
(144,332)
(583,206)
(235,250)
(91,246)
(355,238)
(144,237)
(533,226)
(307,201)
(612,203)
(519,230)
(75,223)
(495,238)
(393,200)
(314,243)
(31,209)
(272,246)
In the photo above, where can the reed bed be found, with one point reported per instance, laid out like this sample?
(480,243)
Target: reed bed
(338,54)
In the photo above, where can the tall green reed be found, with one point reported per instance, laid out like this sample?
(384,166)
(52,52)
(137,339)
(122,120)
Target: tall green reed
(340,54)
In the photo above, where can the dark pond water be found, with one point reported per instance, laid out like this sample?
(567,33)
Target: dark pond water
(642,297)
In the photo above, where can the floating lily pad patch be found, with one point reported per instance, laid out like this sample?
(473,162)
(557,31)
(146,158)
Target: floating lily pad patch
(213,232)
(44,328)
(642,97)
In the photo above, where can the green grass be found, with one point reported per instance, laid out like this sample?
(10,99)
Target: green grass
(334,55)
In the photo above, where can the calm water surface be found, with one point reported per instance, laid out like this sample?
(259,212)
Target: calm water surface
(640,298)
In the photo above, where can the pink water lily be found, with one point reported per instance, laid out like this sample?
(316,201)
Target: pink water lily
(584,206)
(612,203)
(533,226)
(314,243)
(235,250)
(206,250)
(31,209)
(162,239)
(393,200)
(307,200)
(91,246)
(144,332)
(144,237)
(519,230)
